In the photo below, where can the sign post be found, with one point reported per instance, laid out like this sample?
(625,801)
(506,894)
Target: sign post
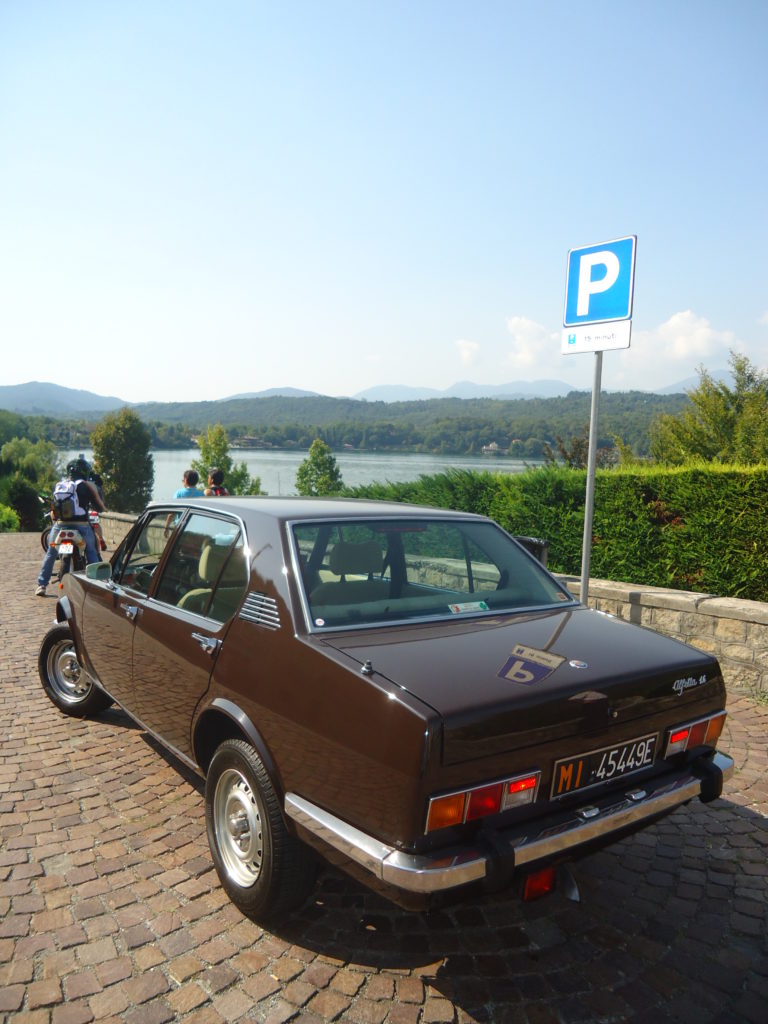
(599,288)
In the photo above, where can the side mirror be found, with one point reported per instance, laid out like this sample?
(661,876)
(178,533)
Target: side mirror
(98,571)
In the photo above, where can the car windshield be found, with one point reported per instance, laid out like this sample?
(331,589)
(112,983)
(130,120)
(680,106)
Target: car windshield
(363,573)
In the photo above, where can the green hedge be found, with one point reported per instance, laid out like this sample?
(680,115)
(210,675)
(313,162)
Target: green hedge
(700,528)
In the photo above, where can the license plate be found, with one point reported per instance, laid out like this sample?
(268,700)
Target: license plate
(66,549)
(574,773)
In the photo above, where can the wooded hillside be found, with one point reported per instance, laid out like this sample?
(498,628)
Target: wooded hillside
(444,425)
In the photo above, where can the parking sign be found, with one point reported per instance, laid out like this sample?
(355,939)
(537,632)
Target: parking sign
(599,285)
(599,282)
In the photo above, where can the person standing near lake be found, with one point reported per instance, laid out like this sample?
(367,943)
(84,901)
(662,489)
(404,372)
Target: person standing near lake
(216,486)
(190,488)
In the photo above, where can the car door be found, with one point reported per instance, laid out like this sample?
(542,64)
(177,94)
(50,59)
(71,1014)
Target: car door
(182,623)
(112,606)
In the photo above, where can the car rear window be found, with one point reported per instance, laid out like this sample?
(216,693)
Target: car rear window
(367,572)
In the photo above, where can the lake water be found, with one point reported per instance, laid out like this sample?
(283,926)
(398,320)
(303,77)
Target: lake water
(277,469)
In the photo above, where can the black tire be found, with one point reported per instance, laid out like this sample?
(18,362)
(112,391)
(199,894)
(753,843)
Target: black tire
(264,870)
(44,538)
(68,685)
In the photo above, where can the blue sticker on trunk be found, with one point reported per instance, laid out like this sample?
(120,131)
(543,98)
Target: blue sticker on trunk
(529,665)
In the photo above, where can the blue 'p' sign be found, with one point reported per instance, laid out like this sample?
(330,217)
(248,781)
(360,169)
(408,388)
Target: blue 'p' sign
(599,282)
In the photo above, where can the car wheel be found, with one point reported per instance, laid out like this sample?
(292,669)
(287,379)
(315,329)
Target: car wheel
(263,868)
(68,685)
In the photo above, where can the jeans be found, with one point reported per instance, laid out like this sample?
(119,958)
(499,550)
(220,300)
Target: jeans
(91,551)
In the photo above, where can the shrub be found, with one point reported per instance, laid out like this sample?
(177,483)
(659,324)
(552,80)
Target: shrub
(9,520)
(20,495)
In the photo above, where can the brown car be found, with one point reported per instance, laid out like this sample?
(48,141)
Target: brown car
(406,690)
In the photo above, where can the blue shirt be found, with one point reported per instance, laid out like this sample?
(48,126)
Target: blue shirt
(189,492)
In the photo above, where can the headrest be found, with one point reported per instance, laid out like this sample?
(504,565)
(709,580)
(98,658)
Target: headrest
(355,558)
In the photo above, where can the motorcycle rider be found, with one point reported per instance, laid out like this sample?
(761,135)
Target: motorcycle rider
(85,494)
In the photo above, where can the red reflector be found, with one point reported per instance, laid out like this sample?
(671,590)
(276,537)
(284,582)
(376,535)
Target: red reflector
(539,884)
(484,801)
(679,736)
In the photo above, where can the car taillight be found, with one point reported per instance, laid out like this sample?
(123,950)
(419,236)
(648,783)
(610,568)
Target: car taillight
(446,811)
(704,732)
(520,791)
(481,801)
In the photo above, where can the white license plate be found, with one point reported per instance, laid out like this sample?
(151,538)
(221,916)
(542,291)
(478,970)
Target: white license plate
(66,549)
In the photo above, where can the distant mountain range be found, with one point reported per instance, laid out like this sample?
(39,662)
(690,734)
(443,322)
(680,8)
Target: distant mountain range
(273,393)
(38,398)
(466,389)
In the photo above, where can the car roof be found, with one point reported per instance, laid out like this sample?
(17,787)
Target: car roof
(290,508)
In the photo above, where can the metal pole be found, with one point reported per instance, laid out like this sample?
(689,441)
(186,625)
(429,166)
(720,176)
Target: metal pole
(589,504)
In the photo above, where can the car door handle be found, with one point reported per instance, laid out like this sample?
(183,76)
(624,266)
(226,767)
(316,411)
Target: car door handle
(131,611)
(208,643)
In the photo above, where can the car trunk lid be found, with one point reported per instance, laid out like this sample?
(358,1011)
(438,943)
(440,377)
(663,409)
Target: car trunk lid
(504,683)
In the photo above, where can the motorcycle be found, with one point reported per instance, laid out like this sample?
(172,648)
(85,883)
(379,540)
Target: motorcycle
(70,545)
(70,550)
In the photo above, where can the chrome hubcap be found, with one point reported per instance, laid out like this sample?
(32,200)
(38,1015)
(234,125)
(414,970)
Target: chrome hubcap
(67,678)
(238,824)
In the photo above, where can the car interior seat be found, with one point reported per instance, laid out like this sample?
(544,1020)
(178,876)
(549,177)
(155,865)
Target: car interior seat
(360,561)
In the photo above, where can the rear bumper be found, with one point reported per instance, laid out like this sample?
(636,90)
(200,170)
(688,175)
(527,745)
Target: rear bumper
(525,844)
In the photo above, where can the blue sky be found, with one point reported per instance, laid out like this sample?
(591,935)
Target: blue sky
(203,199)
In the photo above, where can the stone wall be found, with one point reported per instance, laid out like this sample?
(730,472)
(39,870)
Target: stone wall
(735,631)
(114,526)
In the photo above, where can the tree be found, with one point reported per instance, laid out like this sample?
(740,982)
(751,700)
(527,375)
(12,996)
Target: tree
(121,457)
(29,468)
(318,474)
(36,462)
(214,453)
(722,424)
(19,494)
(577,455)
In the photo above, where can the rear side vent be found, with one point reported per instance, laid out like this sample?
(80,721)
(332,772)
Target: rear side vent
(262,610)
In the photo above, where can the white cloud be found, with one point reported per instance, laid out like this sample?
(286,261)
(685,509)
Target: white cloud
(658,357)
(671,352)
(532,344)
(764,319)
(467,350)
(686,336)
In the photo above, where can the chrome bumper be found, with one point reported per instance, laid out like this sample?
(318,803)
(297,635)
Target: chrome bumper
(527,843)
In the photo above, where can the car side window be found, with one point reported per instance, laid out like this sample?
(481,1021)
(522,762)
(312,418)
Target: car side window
(205,572)
(144,556)
(231,586)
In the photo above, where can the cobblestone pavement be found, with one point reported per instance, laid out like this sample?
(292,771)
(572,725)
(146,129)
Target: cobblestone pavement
(110,909)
